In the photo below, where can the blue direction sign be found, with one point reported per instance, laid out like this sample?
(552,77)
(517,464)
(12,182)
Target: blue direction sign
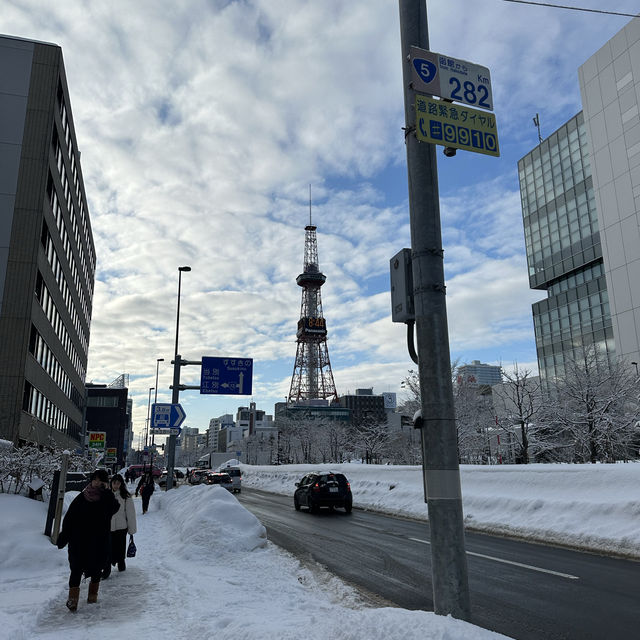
(166,416)
(226,376)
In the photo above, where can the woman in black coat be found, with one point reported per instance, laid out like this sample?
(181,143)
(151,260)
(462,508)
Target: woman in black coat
(146,487)
(86,528)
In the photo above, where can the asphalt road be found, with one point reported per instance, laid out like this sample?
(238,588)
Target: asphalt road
(525,591)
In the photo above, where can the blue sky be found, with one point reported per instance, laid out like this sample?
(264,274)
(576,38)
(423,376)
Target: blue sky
(201,126)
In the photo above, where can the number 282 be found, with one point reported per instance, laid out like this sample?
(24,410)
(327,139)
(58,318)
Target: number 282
(469,93)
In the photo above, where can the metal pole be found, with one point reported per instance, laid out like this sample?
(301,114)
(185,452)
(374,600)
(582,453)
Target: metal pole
(175,396)
(62,483)
(155,400)
(146,435)
(439,443)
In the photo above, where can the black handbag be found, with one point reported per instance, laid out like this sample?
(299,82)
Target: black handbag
(131,549)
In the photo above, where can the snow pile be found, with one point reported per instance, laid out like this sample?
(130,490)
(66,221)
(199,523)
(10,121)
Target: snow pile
(595,507)
(207,519)
(184,583)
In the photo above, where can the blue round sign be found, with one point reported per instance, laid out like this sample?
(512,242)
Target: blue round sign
(425,69)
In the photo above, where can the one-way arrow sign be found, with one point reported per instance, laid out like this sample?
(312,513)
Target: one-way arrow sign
(167,416)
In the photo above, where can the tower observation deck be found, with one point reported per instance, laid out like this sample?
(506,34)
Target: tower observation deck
(312,376)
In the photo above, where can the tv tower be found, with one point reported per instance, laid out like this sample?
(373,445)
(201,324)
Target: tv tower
(312,376)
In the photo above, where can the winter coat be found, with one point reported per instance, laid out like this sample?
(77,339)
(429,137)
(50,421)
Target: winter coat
(146,488)
(86,528)
(125,517)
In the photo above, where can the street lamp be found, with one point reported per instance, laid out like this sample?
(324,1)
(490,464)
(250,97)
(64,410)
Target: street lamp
(180,270)
(155,400)
(175,396)
(146,437)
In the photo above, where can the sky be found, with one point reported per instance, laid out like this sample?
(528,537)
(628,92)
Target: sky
(576,504)
(202,126)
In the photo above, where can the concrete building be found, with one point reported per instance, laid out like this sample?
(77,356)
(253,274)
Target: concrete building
(580,191)
(108,411)
(47,256)
(364,407)
(609,86)
(479,374)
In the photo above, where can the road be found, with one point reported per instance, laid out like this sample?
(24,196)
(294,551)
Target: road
(525,591)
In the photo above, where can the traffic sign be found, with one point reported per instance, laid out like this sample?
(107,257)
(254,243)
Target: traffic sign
(166,415)
(453,125)
(451,78)
(226,376)
(165,431)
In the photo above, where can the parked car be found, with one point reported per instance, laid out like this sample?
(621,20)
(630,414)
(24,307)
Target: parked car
(162,480)
(139,469)
(223,479)
(197,476)
(236,477)
(323,489)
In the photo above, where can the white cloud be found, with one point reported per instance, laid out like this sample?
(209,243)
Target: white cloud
(201,126)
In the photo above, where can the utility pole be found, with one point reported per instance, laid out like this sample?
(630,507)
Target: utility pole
(439,439)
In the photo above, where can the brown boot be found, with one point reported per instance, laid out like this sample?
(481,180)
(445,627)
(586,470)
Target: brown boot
(93,592)
(74,596)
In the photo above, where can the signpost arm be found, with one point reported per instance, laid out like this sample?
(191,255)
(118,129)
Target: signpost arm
(439,441)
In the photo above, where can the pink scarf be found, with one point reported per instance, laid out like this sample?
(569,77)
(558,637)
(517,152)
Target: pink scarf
(91,493)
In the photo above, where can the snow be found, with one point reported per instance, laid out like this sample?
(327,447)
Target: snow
(204,567)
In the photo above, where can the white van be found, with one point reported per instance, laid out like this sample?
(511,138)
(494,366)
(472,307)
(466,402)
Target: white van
(236,477)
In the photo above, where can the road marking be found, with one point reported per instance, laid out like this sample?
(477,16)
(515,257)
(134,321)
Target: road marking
(515,564)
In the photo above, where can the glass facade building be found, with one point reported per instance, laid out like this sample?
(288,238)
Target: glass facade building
(563,245)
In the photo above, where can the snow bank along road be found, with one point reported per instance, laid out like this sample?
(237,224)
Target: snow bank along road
(589,507)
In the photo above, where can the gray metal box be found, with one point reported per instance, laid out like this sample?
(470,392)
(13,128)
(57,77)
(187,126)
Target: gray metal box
(402,309)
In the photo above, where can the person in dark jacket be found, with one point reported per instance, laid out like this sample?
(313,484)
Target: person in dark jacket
(86,528)
(145,488)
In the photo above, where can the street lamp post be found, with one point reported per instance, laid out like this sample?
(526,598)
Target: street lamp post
(175,397)
(155,400)
(146,435)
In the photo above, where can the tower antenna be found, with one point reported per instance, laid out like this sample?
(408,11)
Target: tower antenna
(312,376)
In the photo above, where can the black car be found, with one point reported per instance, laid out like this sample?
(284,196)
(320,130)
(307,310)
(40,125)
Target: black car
(323,489)
(223,479)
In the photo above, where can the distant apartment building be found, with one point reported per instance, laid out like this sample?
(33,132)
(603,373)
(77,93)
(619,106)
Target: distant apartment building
(47,256)
(580,191)
(479,374)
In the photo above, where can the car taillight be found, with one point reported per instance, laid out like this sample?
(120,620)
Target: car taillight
(348,487)
(316,487)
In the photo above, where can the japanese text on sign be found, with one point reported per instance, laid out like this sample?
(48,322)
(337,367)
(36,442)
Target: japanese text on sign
(456,126)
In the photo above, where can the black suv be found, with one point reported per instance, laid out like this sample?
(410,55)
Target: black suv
(324,489)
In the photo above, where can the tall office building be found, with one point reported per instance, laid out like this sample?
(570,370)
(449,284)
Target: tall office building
(580,191)
(563,248)
(609,85)
(47,257)
(479,374)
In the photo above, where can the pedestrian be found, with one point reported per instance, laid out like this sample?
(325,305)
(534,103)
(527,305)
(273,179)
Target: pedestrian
(86,528)
(145,488)
(122,522)
(127,476)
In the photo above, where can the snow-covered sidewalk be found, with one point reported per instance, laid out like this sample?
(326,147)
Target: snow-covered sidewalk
(204,569)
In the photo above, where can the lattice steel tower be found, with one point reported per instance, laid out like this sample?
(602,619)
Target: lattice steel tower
(312,375)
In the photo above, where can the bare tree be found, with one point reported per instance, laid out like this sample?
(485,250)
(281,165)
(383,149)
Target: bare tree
(595,406)
(518,402)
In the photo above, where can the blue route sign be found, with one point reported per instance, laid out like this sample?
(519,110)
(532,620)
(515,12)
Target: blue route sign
(226,376)
(167,416)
